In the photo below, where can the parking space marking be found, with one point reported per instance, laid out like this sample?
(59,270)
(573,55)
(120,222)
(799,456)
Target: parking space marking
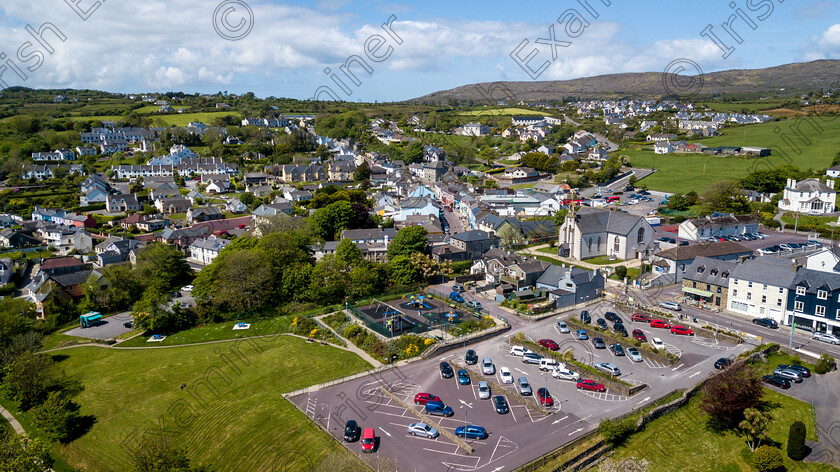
(695,374)
(520,370)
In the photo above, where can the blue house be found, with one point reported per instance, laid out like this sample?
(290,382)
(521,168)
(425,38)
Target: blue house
(814,301)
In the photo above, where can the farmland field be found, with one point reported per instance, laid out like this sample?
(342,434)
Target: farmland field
(503,112)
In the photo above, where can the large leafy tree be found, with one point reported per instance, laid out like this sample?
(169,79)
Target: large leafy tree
(20,454)
(29,378)
(726,395)
(154,454)
(407,241)
(403,271)
(57,416)
(162,266)
(332,219)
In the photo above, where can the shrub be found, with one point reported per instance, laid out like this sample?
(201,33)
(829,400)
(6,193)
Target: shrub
(796,441)
(826,364)
(353,331)
(7,289)
(768,459)
(616,432)
(621,272)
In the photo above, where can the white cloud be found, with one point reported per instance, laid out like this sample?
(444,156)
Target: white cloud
(825,45)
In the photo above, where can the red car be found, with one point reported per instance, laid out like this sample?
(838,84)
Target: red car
(368,440)
(638,334)
(423,398)
(545,397)
(242,226)
(659,324)
(677,329)
(592,385)
(549,344)
(640,317)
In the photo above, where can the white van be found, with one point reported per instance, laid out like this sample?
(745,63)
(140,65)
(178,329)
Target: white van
(670,305)
(548,364)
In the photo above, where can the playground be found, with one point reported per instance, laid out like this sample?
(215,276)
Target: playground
(411,314)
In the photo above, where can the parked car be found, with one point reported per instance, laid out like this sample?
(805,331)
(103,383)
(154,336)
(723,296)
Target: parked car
(766,322)
(474,305)
(505,375)
(500,404)
(547,364)
(549,344)
(518,351)
(463,377)
(598,343)
(471,432)
(562,373)
(487,367)
(437,408)
(446,370)
(456,297)
(640,317)
(666,239)
(581,334)
(681,330)
(368,440)
(722,363)
(187,288)
(776,380)
(620,329)
(634,354)
(531,358)
(422,429)
(128,324)
(562,327)
(601,323)
(609,368)
(659,324)
(612,317)
(826,338)
(544,397)
(803,371)
(591,385)
(813,243)
(657,343)
(422,398)
(617,350)
(483,390)
(640,335)
(351,431)
(458,288)
(670,305)
(791,375)
(584,317)
(471,358)
(523,386)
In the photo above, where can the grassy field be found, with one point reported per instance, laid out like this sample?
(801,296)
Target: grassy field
(175,119)
(752,106)
(502,111)
(681,440)
(237,421)
(216,332)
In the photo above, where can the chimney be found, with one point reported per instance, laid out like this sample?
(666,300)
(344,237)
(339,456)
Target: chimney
(792,183)
(830,183)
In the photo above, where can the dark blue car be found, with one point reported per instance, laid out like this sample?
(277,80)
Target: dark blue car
(456,297)
(471,432)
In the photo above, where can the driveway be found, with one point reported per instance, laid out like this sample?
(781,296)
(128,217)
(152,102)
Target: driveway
(108,328)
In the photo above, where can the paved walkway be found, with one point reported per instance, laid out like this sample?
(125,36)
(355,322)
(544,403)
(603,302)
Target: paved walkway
(535,251)
(350,346)
(12,420)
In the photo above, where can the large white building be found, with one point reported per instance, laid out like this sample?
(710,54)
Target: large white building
(206,249)
(808,196)
(591,232)
(759,287)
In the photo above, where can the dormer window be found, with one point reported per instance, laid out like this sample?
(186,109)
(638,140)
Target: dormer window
(800,290)
(822,294)
(713,272)
(724,274)
(701,269)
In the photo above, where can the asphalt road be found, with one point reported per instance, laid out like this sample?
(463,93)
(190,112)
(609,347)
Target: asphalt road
(109,328)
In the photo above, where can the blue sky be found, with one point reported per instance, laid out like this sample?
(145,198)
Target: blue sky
(173,45)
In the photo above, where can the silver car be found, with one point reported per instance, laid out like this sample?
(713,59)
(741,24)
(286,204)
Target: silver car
(789,374)
(422,429)
(484,390)
(634,354)
(487,367)
(826,338)
(609,368)
(523,386)
(562,327)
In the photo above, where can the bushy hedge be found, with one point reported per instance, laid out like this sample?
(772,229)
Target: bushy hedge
(768,459)
(796,441)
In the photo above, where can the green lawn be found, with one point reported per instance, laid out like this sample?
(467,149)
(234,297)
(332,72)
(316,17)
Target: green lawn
(237,420)
(176,119)
(680,441)
(215,332)
(603,260)
(752,106)
(508,111)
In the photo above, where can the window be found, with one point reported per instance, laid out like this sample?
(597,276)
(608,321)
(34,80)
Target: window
(749,295)
(761,311)
(701,269)
(708,287)
(736,281)
(693,284)
(764,299)
(798,306)
(589,245)
(740,306)
(800,290)
(735,292)
(617,245)
(713,272)
(749,284)
(822,294)
(781,290)
(765,287)
(820,310)
(640,238)
(724,274)
(718,290)
(599,244)
(778,302)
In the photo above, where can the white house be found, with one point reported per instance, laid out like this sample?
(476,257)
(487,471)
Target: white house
(663,147)
(808,196)
(206,249)
(591,232)
(833,171)
(759,287)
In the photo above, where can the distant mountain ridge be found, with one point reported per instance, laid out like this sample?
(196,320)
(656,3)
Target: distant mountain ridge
(793,78)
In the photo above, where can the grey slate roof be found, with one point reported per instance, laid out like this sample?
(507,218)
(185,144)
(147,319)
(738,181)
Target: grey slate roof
(815,280)
(812,185)
(768,270)
(714,271)
(594,220)
(685,253)
(475,235)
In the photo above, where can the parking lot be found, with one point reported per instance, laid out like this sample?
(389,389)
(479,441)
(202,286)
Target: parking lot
(525,432)
(108,328)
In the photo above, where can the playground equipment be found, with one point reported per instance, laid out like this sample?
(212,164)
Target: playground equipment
(416,302)
(90,319)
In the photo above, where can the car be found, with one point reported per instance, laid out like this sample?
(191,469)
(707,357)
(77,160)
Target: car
(483,390)
(788,374)
(446,370)
(633,202)
(243,226)
(670,305)
(609,368)
(591,385)
(681,330)
(438,409)
(802,370)
(683,243)
(422,398)
(523,387)
(657,343)
(634,354)
(544,397)
(518,351)
(473,304)
(456,297)
(562,327)
(722,363)
(368,440)
(471,432)
(598,343)
(666,239)
(659,324)
(617,350)
(812,243)
(471,358)
(826,338)
(610,316)
(463,377)
(128,324)
(766,322)
(500,404)
(487,367)
(505,375)
(758,235)
(776,381)
(640,317)
(422,429)
(458,288)
(766,251)
(581,334)
(620,329)
(585,318)
(531,358)
(640,335)
(786,247)
(549,344)
(187,288)
(562,373)
(601,323)
(351,431)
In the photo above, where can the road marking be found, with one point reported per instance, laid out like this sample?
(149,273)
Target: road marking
(520,370)
(695,374)
(576,431)
(465,403)
(561,419)
(447,357)
(386,432)
(677,367)
(497,469)
(646,399)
